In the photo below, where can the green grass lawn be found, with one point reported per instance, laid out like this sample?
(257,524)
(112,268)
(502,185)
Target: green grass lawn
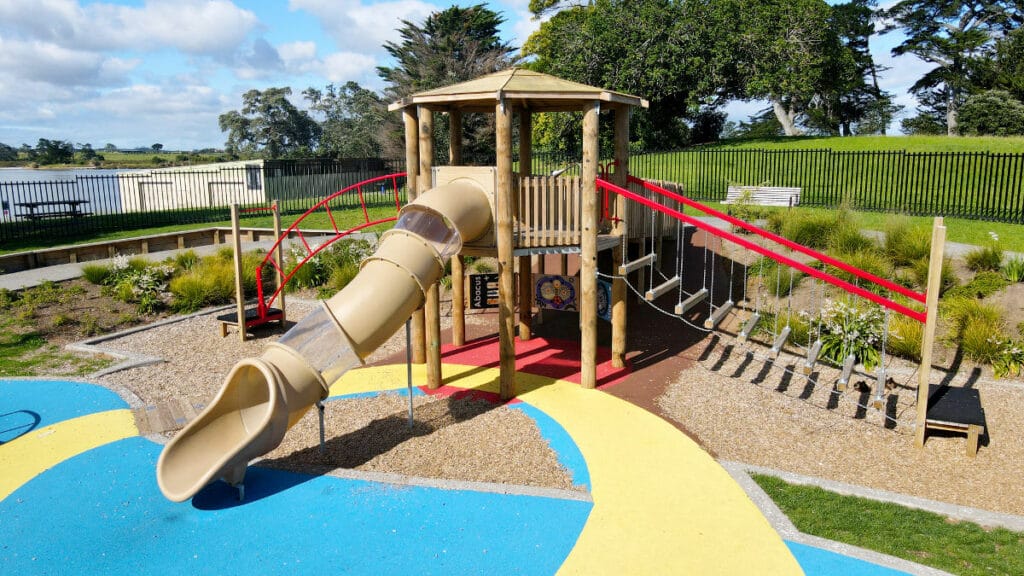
(345,220)
(957,177)
(1014,144)
(915,535)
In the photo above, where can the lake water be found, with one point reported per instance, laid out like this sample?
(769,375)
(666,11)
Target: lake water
(97,186)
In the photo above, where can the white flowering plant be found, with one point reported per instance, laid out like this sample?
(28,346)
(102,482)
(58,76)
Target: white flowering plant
(140,282)
(1010,359)
(850,328)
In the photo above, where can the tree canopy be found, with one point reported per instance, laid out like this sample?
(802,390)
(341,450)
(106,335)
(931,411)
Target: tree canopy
(450,46)
(270,125)
(958,37)
(353,118)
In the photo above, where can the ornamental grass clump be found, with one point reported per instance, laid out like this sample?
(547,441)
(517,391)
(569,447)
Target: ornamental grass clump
(850,328)
(1013,270)
(906,244)
(987,257)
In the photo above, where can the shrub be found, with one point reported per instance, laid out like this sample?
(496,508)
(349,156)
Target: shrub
(981,339)
(870,261)
(906,244)
(209,283)
(905,335)
(993,112)
(96,273)
(776,279)
(138,281)
(7,298)
(961,311)
(848,239)
(948,281)
(983,285)
(814,229)
(331,268)
(850,328)
(1013,270)
(186,260)
(987,257)
(1009,360)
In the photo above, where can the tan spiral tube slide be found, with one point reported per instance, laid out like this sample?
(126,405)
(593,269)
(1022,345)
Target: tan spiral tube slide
(262,397)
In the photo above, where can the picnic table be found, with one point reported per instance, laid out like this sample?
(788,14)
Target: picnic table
(54,209)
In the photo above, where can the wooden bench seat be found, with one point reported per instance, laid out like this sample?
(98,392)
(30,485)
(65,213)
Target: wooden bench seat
(763,195)
(955,409)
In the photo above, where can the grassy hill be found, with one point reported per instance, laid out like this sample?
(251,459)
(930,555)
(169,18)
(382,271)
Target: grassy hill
(881,143)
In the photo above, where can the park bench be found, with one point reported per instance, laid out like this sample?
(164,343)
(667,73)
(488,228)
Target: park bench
(955,409)
(763,195)
(54,209)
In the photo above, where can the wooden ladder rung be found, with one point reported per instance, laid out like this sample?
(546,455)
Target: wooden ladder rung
(718,315)
(812,357)
(694,299)
(662,288)
(637,264)
(844,378)
(780,341)
(748,327)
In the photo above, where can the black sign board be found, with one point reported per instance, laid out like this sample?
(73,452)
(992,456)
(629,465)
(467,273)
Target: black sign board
(483,291)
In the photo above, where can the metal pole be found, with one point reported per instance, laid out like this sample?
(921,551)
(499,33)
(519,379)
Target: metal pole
(408,366)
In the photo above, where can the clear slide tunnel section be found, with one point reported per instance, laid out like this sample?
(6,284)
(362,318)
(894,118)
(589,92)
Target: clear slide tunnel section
(262,397)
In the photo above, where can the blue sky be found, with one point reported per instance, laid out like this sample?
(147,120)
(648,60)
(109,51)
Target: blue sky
(138,72)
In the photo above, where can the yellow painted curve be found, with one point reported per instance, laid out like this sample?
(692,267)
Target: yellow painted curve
(661,504)
(38,451)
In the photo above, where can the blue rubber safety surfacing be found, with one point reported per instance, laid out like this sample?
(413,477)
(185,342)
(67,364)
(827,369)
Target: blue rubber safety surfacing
(26,405)
(101,512)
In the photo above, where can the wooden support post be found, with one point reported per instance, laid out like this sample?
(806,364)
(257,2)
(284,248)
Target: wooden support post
(236,239)
(458,261)
(455,138)
(588,248)
(928,338)
(279,260)
(412,169)
(503,226)
(525,298)
(429,355)
(432,318)
(459,300)
(525,143)
(618,304)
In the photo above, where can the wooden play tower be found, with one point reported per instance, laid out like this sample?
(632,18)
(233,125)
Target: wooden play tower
(534,214)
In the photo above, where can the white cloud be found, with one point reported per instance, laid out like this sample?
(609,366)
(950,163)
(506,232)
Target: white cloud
(40,61)
(360,26)
(193,26)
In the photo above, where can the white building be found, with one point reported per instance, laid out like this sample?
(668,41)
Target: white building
(185,187)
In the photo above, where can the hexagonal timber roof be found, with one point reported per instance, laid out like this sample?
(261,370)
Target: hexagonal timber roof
(519,87)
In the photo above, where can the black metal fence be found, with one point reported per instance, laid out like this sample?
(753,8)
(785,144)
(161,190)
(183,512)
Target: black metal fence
(87,203)
(977,185)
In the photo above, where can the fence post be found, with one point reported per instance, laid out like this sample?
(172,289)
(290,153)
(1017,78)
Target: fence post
(928,338)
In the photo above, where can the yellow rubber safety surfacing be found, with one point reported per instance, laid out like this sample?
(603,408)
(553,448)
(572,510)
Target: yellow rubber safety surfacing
(661,504)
